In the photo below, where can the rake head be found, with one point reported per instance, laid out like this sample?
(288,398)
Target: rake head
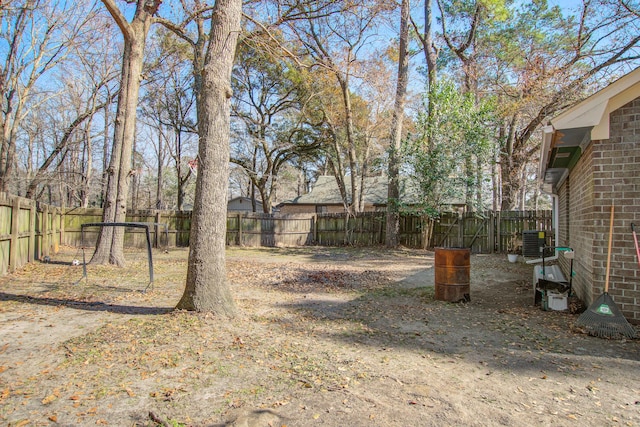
(604,319)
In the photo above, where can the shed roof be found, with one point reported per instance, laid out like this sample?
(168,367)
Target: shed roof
(325,191)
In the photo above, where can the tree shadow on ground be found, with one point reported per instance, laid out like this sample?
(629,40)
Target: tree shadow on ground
(85,305)
(499,328)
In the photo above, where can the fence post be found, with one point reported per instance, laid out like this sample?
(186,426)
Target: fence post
(499,231)
(45,231)
(32,232)
(239,229)
(314,224)
(13,245)
(491,231)
(55,224)
(62,229)
(461,229)
(156,229)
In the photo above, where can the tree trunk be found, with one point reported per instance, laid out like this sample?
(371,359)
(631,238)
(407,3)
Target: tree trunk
(109,248)
(110,244)
(431,57)
(510,167)
(207,289)
(159,201)
(353,157)
(393,195)
(135,178)
(87,176)
(478,181)
(105,153)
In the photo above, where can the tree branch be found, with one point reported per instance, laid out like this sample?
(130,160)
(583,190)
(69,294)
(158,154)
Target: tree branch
(121,21)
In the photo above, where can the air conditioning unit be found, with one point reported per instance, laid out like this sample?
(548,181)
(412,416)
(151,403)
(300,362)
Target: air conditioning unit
(532,243)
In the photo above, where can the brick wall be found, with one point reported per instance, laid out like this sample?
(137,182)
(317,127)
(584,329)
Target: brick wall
(576,223)
(616,173)
(608,172)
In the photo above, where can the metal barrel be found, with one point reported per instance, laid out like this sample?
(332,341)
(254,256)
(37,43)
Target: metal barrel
(452,274)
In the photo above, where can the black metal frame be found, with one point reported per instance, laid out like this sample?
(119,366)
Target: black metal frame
(119,224)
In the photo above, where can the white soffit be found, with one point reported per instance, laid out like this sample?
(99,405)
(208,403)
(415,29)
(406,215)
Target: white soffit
(594,111)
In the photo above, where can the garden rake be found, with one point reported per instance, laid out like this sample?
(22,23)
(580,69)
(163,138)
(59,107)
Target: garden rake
(603,318)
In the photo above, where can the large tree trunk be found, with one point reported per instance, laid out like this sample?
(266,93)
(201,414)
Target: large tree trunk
(207,289)
(110,244)
(511,167)
(87,176)
(430,54)
(353,157)
(393,195)
(160,176)
(105,153)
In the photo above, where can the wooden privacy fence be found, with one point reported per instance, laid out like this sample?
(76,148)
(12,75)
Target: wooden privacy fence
(488,232)
(270,230)
(168,228)
(28,231)
(31,231)
(484,232)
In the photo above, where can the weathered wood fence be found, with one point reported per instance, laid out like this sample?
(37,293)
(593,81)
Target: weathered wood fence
(30,231)
(485,232)
(488,232)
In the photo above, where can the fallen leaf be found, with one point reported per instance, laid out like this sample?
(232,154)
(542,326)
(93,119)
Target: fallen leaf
(47,400)
(53,418)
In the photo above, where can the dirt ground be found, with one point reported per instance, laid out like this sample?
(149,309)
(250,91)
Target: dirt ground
(324,336)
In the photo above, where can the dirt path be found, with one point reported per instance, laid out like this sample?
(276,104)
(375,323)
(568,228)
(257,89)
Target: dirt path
(328,337)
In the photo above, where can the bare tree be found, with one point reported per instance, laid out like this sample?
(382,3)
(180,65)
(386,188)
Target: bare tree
(393,197)
(36,37)
(170,105)
(109,247)
(207,287)
(335,43)
(269,108)
(60,149)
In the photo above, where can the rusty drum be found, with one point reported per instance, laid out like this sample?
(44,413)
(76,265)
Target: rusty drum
(452,274)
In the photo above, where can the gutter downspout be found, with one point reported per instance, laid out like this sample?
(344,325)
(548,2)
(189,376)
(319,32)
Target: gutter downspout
(548,132)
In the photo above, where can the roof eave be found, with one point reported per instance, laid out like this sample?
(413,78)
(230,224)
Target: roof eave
(575,128)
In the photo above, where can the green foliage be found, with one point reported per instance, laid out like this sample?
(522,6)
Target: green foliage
(457,129)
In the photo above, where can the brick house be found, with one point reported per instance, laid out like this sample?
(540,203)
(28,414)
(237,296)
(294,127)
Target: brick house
(590,159)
